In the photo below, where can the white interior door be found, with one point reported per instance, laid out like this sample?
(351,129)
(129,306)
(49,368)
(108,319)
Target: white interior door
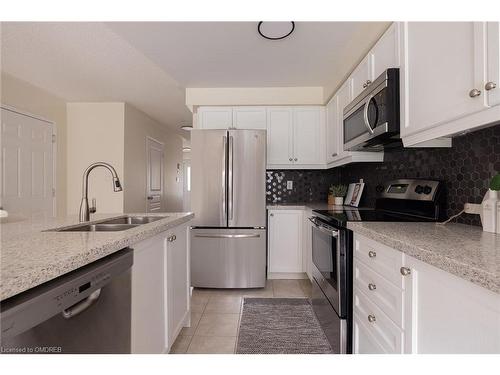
(27,165)
(155,175)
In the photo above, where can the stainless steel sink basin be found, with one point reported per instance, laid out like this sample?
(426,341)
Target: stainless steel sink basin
(99,228)
(133,220)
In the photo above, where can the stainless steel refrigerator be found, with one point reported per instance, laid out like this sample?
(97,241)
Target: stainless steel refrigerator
(228,198)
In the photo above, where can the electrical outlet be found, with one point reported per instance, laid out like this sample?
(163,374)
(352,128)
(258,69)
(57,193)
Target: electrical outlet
(289,185)
(472,208)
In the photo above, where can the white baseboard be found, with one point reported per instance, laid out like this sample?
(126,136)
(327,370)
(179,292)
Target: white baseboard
(287,275)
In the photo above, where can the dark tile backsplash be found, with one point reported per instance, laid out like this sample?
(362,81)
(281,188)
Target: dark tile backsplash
(466,170)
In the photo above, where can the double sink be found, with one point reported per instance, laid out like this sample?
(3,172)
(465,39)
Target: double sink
(112,225)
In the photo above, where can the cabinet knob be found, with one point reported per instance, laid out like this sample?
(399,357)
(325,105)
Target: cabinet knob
(474,92)
(271,215)
(291,159)
(372,254)
(295,159)
(490,86)
(364,85)
(368,82)
(405,271)
(372,286)
(371,318)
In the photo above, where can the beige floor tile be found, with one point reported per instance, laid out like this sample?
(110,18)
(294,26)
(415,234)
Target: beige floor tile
(203,292)
(181,345)
(212,345)
(228,292)
(266,292)
(195,319)
(198,303)
(227,304)
(306,287)
(287,289)
(215,324)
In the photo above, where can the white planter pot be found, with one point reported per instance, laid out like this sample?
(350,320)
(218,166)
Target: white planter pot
(339,201)
(489,211)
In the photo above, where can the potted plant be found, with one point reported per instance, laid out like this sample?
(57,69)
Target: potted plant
(336,194)
(489,215)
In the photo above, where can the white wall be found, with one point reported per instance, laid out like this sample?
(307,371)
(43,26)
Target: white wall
(138,126)
(28,98)
(95,132)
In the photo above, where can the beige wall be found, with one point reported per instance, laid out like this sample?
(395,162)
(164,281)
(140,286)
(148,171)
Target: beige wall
(95,132)
(28,98)
(138,126)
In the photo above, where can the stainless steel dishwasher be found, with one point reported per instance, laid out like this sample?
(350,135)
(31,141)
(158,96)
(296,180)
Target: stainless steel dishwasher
(84,311)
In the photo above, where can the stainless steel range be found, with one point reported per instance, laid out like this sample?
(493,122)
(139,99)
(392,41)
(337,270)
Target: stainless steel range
(397,201)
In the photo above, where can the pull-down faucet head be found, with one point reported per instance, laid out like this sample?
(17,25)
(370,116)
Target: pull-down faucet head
(84,205)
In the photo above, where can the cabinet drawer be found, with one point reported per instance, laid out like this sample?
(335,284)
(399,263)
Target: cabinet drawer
(384,294)
(383,331)
(380,258)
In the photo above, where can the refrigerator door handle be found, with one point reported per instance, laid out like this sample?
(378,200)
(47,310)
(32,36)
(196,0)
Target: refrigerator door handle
(230,178)
(224,195)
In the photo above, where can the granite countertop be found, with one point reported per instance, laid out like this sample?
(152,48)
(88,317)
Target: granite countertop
(29,256)
(462,250)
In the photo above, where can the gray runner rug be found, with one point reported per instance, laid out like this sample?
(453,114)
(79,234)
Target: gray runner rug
(280,326)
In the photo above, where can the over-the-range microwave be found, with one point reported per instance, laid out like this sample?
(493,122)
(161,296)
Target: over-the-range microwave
(371,120)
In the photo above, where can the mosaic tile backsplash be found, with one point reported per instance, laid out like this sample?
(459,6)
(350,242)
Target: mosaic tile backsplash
(466,170)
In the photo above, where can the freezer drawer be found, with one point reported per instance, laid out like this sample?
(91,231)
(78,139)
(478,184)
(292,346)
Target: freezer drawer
(228,258)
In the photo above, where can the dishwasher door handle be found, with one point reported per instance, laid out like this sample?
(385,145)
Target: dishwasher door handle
(81,306)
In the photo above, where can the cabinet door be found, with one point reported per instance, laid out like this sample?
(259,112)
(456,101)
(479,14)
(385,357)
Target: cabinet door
(308,135)
(446,314)
(177,281)
(443,63)
(285,241)
(385,54)
(148,297)
(279,135)
(493,70)
(344,98)
(362,76)
(215,117)
(332,134)
(249,117)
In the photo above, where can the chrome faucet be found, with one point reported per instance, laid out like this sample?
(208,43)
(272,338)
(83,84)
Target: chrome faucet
(85,210)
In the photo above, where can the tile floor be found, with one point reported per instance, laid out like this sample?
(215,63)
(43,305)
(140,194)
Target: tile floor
(215,315)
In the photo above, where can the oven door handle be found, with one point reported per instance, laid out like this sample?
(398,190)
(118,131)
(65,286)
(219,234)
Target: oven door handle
(365,113)
(330,232)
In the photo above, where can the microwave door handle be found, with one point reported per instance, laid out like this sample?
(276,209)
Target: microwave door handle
(365,114)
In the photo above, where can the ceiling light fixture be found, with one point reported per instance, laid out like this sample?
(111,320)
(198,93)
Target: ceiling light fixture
(186,149)
(187,128)
(275,30)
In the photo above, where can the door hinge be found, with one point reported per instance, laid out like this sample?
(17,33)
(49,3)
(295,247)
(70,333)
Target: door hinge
(53,138)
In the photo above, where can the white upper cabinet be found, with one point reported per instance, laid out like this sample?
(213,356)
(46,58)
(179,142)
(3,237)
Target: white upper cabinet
(442,75)
(332,133)
(215,117)
(492,85)
(362,76)
(279,135)
(308,135)
(385,54)
(249,117)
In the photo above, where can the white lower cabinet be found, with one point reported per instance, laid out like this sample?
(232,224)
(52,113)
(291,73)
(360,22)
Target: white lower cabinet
(285,241)
(160,291)
(403,305)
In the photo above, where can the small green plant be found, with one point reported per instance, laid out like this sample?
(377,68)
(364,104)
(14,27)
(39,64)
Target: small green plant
(338,190)
(495,182)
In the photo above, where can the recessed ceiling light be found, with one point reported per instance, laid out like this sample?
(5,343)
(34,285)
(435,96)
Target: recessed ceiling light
(187,128)
(186,149)
(275,30)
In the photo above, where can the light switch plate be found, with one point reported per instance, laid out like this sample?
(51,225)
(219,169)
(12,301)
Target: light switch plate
(289,185)
(472,208)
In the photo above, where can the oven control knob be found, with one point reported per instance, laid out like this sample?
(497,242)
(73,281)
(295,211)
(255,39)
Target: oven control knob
(427,189)
(419,189)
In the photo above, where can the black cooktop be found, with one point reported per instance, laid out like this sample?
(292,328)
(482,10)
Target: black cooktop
(340,217)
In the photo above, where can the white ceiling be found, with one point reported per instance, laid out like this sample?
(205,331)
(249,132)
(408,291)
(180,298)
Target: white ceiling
(149,64)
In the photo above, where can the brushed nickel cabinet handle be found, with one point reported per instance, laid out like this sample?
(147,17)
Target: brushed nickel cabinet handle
(372,286)
(490,86)
(474,93)
(371,318)
(372,254)
(405,271)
